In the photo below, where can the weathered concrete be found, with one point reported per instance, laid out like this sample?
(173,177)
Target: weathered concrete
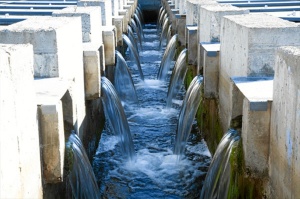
(210,69)
(210,21)
(90,21)
(19,137)
(182,7)
(57,115)
(106,9)
(258,96)
(118,22)
(109,45)
(284,162)
(56,54)
(126,18)
(191,40)
(92,73)
(180,28)
(248,46)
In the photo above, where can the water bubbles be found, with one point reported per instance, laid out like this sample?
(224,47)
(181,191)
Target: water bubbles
(6,14)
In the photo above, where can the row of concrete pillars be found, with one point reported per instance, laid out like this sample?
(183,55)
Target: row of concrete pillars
(50,72)
(250,63)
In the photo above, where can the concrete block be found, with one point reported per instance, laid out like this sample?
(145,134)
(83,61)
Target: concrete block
(258,96)
(56,54)
(191,32)
(109,45)
(106,9)
(115,7)
(180,28)
(118,23)
(248,44)
(210,21)
(126,18)
(211,69)
(284,162)
(92,73)
(129,8)
(53,114)
(90,20)
(19,136)
(182,7)
(192,10)
(54,49)
(102,58)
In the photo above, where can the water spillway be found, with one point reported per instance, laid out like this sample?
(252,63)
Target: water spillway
(155,171)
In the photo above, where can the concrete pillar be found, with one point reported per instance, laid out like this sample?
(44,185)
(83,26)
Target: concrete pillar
(210,21)
(19,137)
(118,23)
(191,32)
(182,7)
(248,44)
(56,54)
(106,9)
(92,73)
(258,96)
(284,162)
(109,45)
(180,28)
(57,115)
(126,18)
(115,7)
(192,10)
(90,21)
(210,69)
(92,40)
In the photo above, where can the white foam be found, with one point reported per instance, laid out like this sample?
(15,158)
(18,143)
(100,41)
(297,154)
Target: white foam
(107,143)
(200,148)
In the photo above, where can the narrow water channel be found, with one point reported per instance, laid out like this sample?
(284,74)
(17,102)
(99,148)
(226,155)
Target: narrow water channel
(155,172)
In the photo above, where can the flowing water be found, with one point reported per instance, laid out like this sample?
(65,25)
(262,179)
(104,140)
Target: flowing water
(217,179)
(81,177)
(154,171)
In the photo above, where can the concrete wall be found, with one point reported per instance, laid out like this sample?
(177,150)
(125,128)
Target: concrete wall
(284,161)
(20,168)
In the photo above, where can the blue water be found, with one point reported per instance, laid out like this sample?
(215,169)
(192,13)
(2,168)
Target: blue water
(155,172)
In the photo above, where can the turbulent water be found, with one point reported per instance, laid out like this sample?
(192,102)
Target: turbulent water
(154,172)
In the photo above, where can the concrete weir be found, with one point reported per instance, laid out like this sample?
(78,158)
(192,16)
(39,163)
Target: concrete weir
(53,54)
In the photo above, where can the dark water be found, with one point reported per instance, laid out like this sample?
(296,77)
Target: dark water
(155,172)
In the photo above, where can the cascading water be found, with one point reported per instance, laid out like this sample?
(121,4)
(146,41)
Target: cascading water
(132,38)
(81,177)
(135,54)
(187,114)
(168,56)
(123,81)
(116,118)
(163,36)
(218,176)
(177,77)
(155,171)
(136,30)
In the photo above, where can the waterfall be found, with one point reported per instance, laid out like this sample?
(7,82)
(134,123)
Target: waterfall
(135,54)
(81,177)
(163,36)
(139,24)
(136,30)
(167,58)
(116,118)
(123,81)
(218,176)
(187,114)
(132,39)
(177,77)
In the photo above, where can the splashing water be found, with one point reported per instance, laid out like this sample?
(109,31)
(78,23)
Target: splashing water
(116,118)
